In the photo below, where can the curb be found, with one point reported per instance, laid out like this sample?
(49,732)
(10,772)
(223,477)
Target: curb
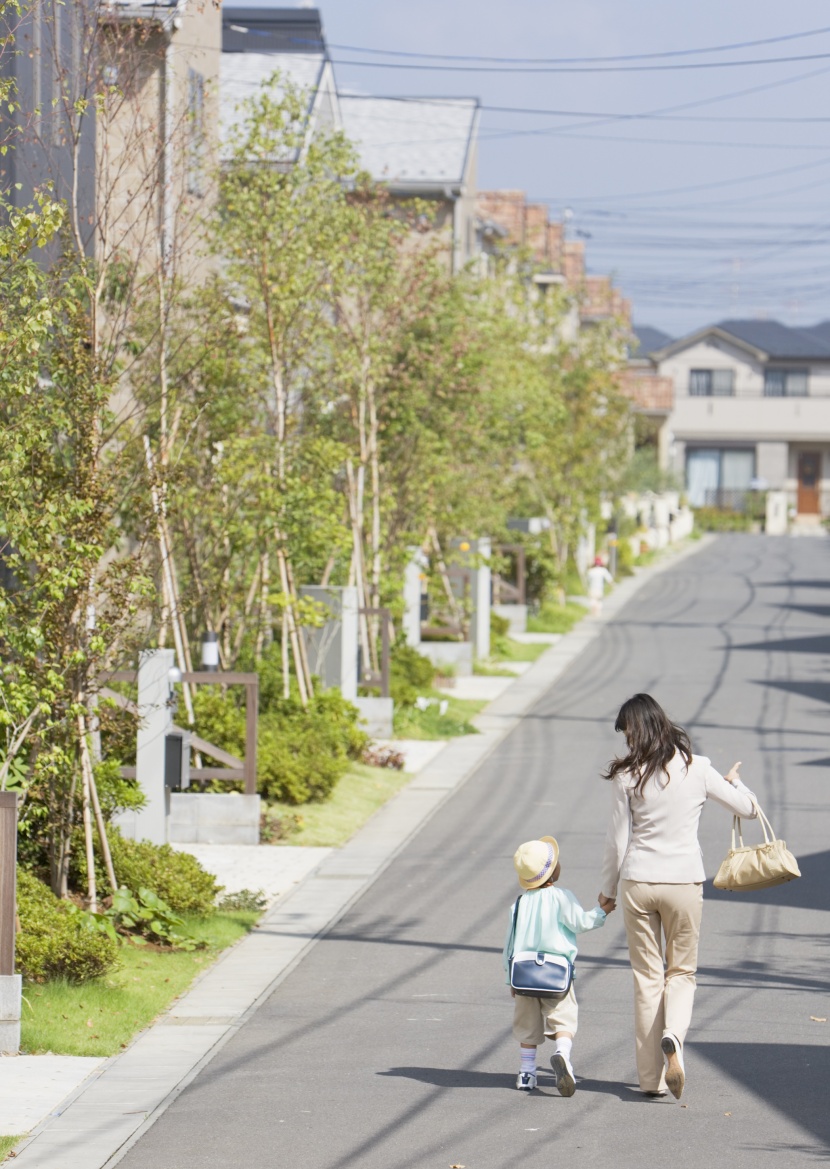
(95,1127)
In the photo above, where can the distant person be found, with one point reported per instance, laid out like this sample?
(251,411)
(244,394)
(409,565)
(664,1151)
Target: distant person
(547,921)
(653,862)
(598,577)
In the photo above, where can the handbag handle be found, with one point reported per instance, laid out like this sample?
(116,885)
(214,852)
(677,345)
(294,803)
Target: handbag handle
(766,827)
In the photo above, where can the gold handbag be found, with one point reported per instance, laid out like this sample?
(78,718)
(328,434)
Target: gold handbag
(757,866)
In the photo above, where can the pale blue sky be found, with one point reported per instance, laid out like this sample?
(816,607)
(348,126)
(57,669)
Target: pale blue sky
(737,245)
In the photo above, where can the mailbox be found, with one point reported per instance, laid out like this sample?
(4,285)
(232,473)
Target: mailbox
(177,760)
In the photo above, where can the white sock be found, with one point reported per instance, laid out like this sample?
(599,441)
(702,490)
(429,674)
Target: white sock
(563,1047)
(529,1060)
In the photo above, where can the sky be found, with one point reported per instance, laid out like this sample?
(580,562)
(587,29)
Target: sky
(703,214)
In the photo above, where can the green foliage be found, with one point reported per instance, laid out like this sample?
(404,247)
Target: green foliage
(301,752)
(553,618)
(244,900)
(411,674)
(412,723)
(146,917)
(177,878)
(56,939)
(715,519)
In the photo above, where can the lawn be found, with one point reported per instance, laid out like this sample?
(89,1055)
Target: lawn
(329,824)
(556,618)
(102,1016)
(411,723)
(507,650)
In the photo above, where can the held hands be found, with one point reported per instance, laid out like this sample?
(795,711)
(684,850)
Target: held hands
(608,904)
(732,773)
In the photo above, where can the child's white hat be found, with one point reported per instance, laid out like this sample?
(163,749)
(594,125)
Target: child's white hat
(535,861)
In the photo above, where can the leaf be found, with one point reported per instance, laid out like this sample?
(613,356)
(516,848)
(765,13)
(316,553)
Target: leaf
(819,1018)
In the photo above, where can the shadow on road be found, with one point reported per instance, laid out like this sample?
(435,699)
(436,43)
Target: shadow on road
(468,1078)
(792,1078)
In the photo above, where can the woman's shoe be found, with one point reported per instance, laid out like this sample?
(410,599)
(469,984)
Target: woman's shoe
(675,1072)
(653,1095)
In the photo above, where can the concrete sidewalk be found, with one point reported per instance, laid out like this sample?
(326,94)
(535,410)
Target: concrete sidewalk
(98,1123)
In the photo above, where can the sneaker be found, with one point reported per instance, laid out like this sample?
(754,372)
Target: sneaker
(564,1073)
(675,1071)
(526,1082)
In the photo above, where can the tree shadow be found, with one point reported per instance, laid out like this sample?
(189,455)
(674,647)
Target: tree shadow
(818,691)
(809,891)
(812,610)
(792,1078)
(792,645)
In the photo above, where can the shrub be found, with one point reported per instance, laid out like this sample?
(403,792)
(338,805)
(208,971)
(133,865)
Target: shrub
(715,519)
(301,753)
(176,877)
(55,939)
(410,674)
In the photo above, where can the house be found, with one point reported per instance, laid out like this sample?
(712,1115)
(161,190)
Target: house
(259,42)
(507,220)
(751,409)
(651,395)
(422,148)
(418,148)
(136,162)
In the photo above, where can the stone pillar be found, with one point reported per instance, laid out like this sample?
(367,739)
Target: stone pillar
(155,720)
(11,984)
(412,590)
(474,561)
(332,646)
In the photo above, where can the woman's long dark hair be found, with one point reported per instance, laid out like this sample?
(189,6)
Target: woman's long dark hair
(652,740)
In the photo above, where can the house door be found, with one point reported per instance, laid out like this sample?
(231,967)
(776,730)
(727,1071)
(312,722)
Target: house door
(809,464)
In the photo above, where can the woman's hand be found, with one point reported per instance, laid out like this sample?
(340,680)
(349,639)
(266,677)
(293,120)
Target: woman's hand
(607,904)
(732,773)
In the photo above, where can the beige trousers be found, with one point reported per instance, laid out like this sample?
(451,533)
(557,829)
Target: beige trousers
(663,993)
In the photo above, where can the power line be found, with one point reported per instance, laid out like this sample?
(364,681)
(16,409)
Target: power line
(674,68)
(575,60)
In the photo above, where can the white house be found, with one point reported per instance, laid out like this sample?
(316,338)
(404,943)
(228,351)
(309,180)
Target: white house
(751,408)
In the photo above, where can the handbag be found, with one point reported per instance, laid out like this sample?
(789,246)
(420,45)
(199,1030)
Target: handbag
(759,866)
(537,974)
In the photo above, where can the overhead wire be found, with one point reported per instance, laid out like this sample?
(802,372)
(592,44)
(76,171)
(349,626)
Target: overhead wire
(722,48)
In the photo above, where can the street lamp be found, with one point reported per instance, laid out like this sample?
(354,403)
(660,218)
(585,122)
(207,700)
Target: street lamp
(210,651)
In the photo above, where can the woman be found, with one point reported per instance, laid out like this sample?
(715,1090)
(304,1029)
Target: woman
(653,861)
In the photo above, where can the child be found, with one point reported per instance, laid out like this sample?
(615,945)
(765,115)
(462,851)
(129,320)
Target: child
(548,920)
(598,578)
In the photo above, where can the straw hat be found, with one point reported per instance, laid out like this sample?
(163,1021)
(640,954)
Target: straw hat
(535,861)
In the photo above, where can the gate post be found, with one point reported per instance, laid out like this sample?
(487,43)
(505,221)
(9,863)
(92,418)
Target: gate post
(11,984)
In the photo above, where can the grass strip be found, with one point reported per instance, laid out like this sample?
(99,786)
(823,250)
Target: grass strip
(102,1016)
(412,723)
(556,618)
(7,1144)
(360,792)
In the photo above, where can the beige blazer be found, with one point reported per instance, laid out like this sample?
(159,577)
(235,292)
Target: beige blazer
(653,837)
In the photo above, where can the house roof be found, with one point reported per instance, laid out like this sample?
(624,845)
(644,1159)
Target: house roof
(765,339)
(241,74)
(411,143)
(271,30)
(820,331)
(648,339)
(777,340)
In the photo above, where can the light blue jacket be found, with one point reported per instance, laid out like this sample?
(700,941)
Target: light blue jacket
(549,920)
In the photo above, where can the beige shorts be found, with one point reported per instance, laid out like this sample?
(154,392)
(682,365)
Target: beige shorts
(534,1020)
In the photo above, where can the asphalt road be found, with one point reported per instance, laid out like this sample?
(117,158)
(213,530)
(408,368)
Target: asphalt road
(389,1046)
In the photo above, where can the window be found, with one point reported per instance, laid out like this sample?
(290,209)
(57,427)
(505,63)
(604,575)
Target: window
(195,132)
(711,383)
(785,383)
(719,477)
